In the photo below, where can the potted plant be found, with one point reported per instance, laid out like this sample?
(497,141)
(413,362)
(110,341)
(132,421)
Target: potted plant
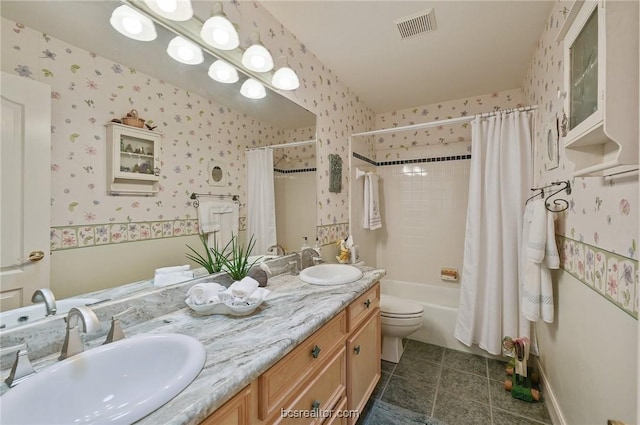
(236,263)
(214,259)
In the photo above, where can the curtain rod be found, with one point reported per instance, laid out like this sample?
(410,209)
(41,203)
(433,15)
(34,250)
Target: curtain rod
(284,145)
(442,122)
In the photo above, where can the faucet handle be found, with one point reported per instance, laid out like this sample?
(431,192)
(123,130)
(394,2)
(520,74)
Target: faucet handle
(116,333)
(22,367)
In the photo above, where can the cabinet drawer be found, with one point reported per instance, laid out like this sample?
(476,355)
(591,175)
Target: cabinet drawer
(316,401)
(290,373)
(338,416)
(359,309)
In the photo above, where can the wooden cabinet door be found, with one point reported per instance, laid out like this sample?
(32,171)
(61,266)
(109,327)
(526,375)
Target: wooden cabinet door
(363,362)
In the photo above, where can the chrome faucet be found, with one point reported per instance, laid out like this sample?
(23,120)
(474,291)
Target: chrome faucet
(22,368)
(45,295)
(309,257)
(72,342)
(116,333)
(279,249)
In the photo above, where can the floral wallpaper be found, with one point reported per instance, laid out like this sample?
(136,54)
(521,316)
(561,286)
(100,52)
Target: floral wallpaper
(440,140)
(599,230)
(88,91)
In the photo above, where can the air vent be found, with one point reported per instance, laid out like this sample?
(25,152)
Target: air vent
(420,23)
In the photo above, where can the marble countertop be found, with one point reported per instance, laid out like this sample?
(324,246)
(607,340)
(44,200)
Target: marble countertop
(239,349)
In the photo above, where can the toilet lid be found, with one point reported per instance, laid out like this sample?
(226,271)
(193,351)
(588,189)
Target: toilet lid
(390,305)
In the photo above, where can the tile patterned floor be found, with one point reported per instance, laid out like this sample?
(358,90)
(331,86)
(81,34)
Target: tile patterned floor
(437,386)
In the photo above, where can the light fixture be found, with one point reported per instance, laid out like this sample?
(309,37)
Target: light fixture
(253,89)
(285,78)
(257,58)
(185,51)
(176,10)
(223,72)
(218,31)
(132,24)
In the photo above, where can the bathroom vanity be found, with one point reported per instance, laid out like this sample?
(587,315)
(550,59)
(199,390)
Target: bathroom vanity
(306,349)
(329,375)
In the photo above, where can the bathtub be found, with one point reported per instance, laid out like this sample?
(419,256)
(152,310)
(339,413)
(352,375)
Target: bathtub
(440,310)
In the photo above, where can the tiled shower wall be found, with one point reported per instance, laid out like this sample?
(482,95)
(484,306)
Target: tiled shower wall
(425,205)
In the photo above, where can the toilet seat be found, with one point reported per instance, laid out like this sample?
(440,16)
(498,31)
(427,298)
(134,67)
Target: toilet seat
(394,307)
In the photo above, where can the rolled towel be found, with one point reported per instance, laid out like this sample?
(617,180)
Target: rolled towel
(173,269)
(244,288)
(204,293)
(258,295)
(164,279)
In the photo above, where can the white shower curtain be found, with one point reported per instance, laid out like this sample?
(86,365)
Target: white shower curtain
(261,206)
(499,182)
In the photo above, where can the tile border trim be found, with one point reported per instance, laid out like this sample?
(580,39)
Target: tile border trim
(413,161)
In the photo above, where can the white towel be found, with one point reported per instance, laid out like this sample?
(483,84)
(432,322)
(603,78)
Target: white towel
(224,216)
(173,269)
(164,279)
(541,254)
(205,219)
(204,293)
(371,218)
(243,289)
(258,295)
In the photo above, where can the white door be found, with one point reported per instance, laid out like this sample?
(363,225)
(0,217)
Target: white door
(25,189)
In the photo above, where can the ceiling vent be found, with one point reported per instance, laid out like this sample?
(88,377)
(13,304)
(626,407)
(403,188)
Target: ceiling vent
(420,23)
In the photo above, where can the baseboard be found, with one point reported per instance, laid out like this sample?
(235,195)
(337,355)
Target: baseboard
(551,401)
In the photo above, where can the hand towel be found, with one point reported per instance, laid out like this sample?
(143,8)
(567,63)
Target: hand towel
(173,269)
(541,254)
(204,293)
(206,221)
(164,279)
(371,216)
(224,217)
(243,288)
(258,295)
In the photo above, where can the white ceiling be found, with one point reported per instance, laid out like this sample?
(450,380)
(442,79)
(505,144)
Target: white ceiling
(478,47)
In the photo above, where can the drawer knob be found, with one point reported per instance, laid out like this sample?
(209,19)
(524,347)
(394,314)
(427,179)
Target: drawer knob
(367,303)
(315,405)
(356,349)
(315,352)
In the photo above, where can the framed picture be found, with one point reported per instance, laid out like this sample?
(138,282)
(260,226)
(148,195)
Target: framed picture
(217,173)
(551,141)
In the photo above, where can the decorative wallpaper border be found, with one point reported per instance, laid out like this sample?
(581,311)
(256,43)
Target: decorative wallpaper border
(330,233)
(413,161)
(611,275)
(69,237)
(84,236)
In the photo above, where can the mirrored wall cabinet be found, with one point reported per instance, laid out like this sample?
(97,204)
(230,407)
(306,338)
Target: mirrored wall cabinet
(133,160)
(600,127)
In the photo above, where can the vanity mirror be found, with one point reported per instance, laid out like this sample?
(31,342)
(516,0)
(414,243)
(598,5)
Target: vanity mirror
(72,29)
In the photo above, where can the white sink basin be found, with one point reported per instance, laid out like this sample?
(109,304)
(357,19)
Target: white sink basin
(330,274)
(23,315)
(117,383)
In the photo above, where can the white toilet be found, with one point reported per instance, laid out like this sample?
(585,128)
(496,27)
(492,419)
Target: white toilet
(399,319)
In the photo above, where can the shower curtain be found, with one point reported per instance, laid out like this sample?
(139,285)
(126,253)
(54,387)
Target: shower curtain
(499,182)
(261,206)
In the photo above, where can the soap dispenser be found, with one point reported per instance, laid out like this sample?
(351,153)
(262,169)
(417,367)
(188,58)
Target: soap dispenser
(305,245)
(317,247)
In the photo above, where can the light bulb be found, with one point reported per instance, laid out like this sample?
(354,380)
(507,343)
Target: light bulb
(184,51)
(252,89)
(220,36)
(167,5)
(258,61)
(132,25)
(285,79)
(223,72)
(257,58)
(220,33)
